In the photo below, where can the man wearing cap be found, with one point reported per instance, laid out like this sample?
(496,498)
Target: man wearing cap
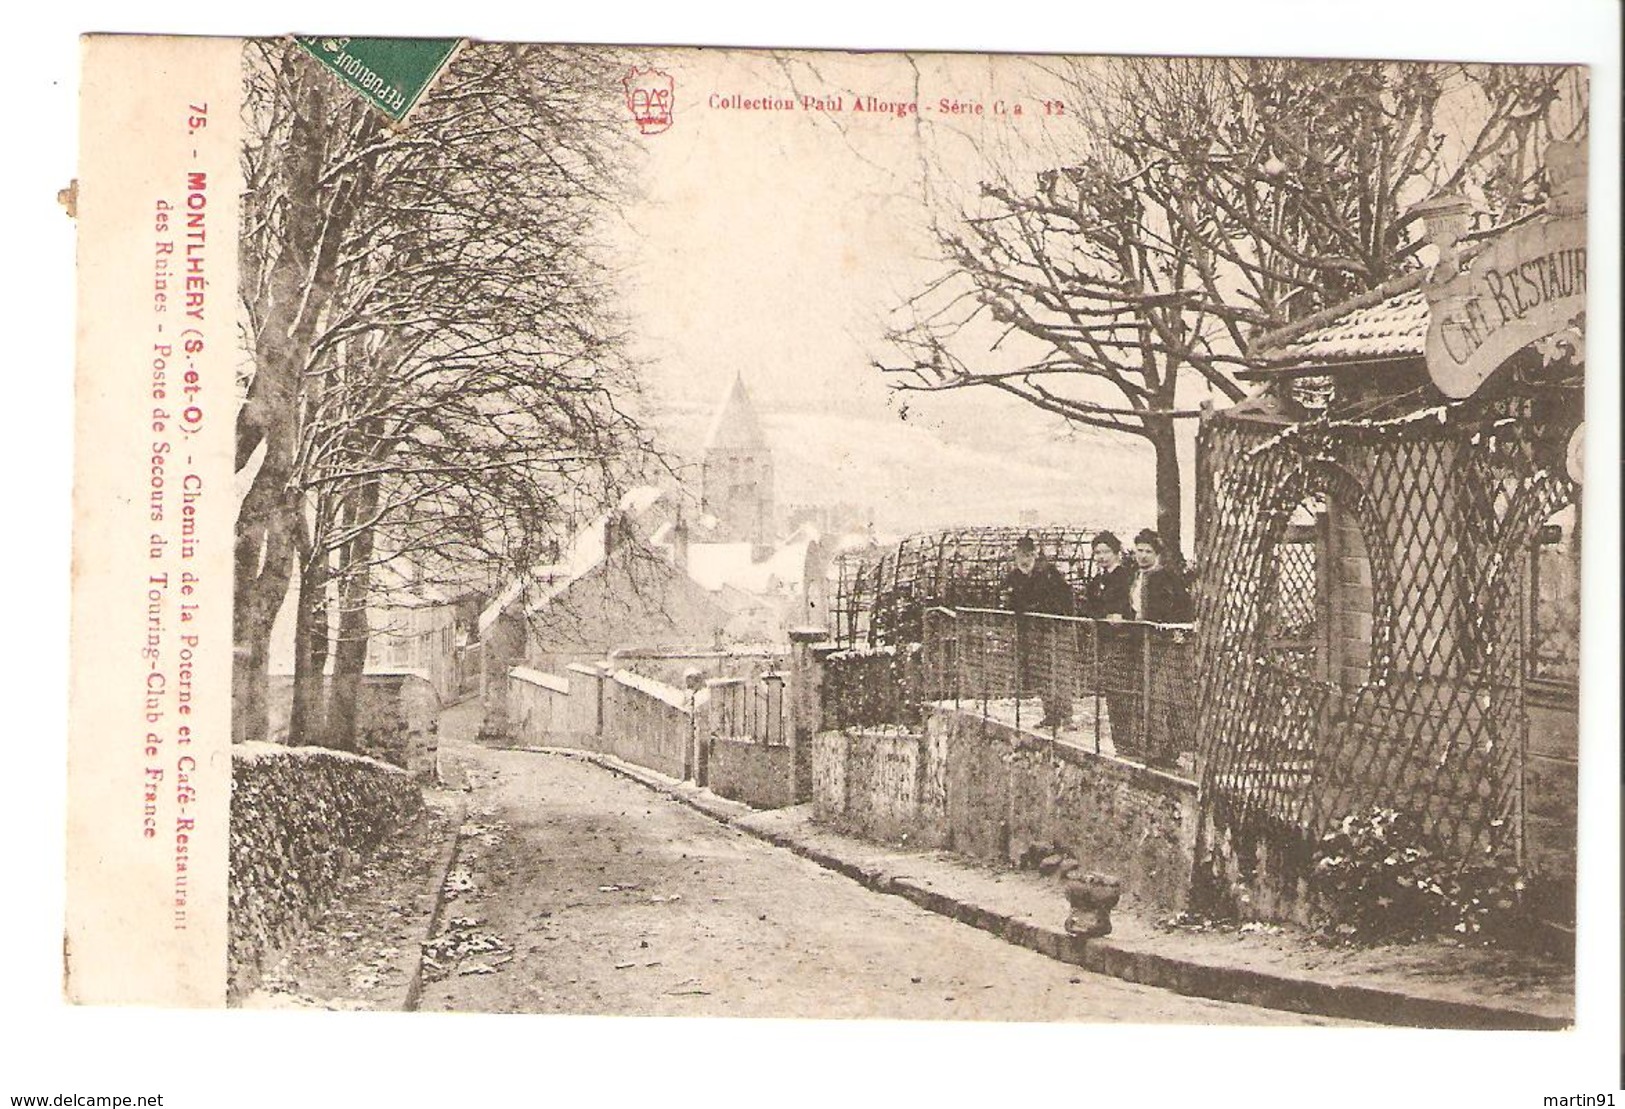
(1043,647)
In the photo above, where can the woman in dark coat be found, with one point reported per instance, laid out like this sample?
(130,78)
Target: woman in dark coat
(1115,665)
(1159,596)
(1106,595)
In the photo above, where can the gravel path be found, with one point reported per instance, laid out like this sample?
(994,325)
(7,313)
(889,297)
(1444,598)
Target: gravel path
(577,891)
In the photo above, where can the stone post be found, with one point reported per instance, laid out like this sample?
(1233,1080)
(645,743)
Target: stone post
(1092,898)
(806,706)
(693,682)
(501,649)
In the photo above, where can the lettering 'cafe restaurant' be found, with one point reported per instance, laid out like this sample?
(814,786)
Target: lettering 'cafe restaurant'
(1388,537)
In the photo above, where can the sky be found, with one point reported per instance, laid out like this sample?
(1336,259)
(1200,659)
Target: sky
(782,244)
(779,232)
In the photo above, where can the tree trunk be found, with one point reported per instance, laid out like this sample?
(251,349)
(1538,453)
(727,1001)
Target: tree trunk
(250,674)
(306,723)
(298,284)
(263,563)
(1170,498)
(349,662)
(350,653)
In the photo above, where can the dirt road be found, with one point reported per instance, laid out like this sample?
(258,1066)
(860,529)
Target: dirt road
(581,892)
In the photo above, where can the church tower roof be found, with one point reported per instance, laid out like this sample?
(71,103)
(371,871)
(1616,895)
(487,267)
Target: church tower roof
(736,426)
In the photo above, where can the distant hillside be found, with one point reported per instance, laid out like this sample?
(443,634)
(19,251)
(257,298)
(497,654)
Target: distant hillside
(917,480)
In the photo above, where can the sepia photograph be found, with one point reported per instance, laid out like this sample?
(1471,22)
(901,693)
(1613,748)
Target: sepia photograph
(987,539)
(1142,526)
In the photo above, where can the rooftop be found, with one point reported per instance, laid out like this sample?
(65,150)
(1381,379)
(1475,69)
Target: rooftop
(1396,328)
(1389,322)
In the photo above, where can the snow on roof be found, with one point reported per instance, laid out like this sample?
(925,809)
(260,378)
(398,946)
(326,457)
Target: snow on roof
(538,677)
(660,691)
(585,550)
(714,565)
(736,426)
(1396,327)
(805,532)
(854,541)
(789,562)
(1390,321)
(641,498)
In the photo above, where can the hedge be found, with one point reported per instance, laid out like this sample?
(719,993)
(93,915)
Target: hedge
(301,818)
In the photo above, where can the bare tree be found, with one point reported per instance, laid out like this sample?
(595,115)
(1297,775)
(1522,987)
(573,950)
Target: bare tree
(295,210)
(435,365)
(1212,200)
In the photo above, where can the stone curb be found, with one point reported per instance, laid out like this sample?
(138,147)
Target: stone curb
(1103,955)
(413,993)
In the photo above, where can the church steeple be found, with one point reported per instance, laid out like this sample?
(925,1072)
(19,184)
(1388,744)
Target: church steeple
(737,476)
(735,426)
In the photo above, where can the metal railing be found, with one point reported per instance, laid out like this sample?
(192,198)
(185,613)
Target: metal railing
(754,708)
(1120,688)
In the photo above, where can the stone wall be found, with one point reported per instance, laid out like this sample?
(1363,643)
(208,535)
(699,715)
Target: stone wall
(585,714)
(538,708)
(1254,871)
(759,774)
(301,818)
(879,785)
(636,719)
(591,708)
(397,718)
(984,789)
(832,803)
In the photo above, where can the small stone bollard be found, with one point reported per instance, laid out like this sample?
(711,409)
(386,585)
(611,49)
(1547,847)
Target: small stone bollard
(1092,897)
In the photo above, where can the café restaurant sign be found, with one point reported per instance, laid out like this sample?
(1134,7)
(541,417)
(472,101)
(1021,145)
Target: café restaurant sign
(1521,288)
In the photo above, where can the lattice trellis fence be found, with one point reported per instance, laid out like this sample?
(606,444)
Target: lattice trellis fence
(1361,619)
(881,597)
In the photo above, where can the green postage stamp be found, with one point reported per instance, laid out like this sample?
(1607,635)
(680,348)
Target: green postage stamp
(392,73)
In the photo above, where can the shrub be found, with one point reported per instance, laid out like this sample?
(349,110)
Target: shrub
(301,818)
(1380,876)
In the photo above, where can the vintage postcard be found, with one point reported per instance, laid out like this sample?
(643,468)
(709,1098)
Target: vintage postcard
(671,531)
